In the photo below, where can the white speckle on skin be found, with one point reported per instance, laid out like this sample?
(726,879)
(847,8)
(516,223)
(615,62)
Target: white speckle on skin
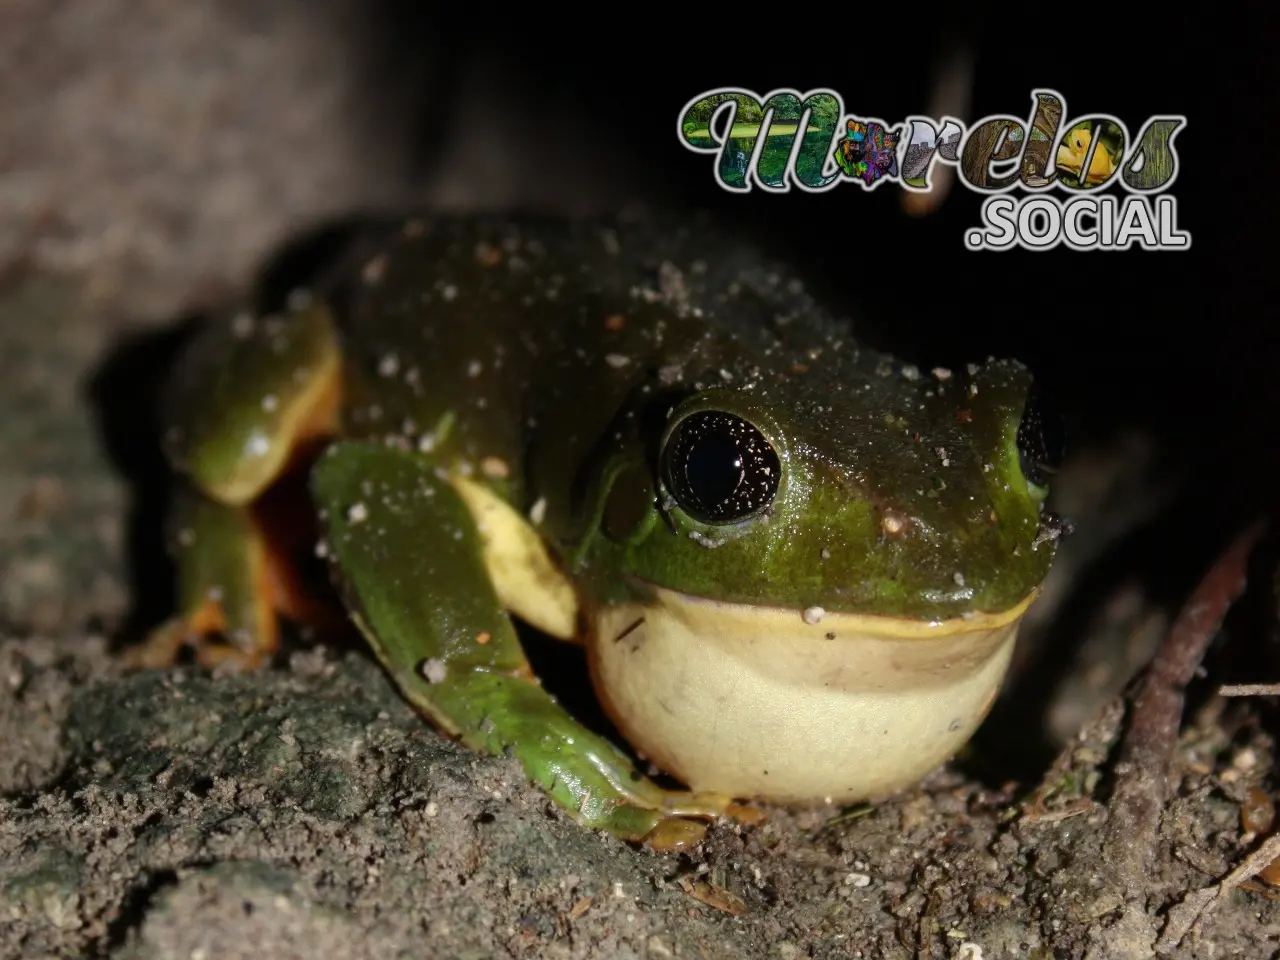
(357,513)
(538,512)
(434,670)
(474,368)
(495,468)
(257,445)
(813,615)
(449,292)
(388,365)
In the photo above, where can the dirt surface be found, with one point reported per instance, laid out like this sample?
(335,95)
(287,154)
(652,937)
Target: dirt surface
(151,156)
(307,810)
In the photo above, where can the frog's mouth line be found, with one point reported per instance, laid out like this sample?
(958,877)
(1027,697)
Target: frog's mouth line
(841,623)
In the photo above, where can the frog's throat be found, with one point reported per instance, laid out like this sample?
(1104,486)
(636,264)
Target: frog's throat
(758,703)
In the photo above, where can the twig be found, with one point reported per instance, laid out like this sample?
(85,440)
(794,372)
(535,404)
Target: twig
(1249,690)
(1145,769)
(1199,903)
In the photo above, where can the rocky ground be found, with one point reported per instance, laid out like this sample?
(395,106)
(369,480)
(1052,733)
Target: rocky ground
(306,811)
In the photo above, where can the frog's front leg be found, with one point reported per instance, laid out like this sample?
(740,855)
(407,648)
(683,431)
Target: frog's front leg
(409,560)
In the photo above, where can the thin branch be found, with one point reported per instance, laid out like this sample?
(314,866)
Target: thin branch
(1249,690)
(1198,904)
(1146,766)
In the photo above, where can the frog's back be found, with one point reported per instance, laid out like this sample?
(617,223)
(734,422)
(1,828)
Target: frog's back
(510,347)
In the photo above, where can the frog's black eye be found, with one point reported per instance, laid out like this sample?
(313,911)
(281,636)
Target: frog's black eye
(720,468)
(1041,439)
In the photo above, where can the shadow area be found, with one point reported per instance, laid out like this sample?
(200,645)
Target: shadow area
(1014,743)
(125,395)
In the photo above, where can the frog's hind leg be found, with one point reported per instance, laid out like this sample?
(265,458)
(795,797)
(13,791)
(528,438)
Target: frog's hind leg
(252,402)
(225,590)
(410,562)
(239,571)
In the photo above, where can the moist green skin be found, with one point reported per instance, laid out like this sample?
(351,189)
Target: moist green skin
(547,362)
(520,358)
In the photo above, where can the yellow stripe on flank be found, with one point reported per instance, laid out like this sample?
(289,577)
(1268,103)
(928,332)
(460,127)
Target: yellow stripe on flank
(526,578)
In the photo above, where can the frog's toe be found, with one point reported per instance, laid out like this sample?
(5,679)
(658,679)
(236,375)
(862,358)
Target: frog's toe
(672,834)
(160,649)
(746,814)
(675,816)
(203,634)
(225,658)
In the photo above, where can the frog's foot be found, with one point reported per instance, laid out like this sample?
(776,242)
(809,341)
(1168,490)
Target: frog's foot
(229,589)
(202,632)
(409,559)
(675,832)
(679,809)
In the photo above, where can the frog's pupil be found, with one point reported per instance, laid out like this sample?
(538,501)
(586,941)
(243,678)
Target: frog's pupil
(720,468)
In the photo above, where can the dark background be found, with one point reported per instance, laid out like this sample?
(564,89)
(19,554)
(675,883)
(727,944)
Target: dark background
(1178,343)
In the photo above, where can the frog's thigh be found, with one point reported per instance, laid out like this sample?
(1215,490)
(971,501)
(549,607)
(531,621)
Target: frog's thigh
(248,402)
(411,564)
(246,405)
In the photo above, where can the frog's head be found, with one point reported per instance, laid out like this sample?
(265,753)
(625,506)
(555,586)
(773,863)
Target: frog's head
(837,558)
(886,494)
